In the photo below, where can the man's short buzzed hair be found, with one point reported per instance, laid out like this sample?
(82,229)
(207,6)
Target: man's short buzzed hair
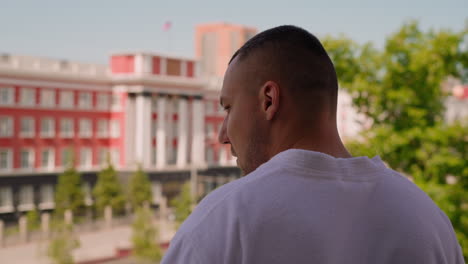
(297,59)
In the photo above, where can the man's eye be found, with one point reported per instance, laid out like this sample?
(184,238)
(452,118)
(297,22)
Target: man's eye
(227,108)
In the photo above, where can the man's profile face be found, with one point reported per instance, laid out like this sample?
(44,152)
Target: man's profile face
(242,126)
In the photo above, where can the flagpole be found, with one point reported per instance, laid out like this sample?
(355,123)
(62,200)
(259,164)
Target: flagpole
(169,41)
(167,28)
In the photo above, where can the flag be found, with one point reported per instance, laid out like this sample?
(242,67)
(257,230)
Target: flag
(167,26)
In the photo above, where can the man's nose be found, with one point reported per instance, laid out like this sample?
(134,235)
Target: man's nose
(222,136)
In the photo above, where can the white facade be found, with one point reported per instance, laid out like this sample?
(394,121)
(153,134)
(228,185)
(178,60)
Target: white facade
(349,122)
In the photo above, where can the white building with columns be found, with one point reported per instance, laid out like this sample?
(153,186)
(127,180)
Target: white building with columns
(143,109)
(171,117)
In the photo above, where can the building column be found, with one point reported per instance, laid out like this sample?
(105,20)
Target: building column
(143,64)
(161,133)
(169,129)
(182,134)
(143,129)
(198,142)
(130,131)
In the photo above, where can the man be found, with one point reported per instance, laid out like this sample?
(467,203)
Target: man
(304,199)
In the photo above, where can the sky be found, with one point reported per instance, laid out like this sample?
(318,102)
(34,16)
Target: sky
(91,30)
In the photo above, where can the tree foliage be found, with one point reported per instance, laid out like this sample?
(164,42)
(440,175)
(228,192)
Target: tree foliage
(33,220)
(62,244)
(69,193)
(400,91)
(183,204)
(139,189)
(108,191)
(144,238)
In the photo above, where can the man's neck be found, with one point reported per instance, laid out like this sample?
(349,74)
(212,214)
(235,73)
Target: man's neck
(328,143)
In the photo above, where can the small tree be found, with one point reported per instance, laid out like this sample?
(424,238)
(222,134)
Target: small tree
(69,193)
(145,245)
(33,220)
(183,204)
(62,244)
(108,191)
(140,189)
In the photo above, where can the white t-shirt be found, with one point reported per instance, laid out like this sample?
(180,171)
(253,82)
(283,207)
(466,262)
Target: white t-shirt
(308,207)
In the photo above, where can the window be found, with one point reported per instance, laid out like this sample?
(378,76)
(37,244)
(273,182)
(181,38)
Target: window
(154,126)
(220,109)
(115,156)
(86,158)
(26,198)
(67,157)
(209,109)
(116,102)
(153,155)
(209,129)
(66,128)
(103,101)
(85,100)
(66,99)
(102,158)
(47,158)
(7,96)
(171,154)
(115,128)
(6,199)
(86,130)
(175,105)
(27,96)
(27,127)
(5,159)
(103,128)
(220,126)
(47,127)
(173,67)
(209,155)
(26,159)
(6,126)
(175,127)
(154,103)
(46,197)
(48,98)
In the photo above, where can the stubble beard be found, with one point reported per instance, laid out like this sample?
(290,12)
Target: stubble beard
(256,151)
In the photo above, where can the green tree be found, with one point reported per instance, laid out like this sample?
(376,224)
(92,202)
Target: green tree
(33,220)
(400,90)
(183,204)
(62,244)
(69,193)
(108,191)
(140,189)
(144,238)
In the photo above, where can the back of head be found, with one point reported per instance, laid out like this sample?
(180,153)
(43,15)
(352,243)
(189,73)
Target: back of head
(297,61)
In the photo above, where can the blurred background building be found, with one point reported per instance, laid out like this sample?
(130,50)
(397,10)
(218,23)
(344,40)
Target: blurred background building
(144,109)
(214,46)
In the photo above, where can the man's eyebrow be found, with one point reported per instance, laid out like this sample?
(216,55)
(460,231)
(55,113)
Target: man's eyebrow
(221,101)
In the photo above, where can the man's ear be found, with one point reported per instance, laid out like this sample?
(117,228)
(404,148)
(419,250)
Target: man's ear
(269,98)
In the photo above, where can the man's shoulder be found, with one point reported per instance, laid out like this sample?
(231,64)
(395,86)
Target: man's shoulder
(208,229)
(226,201)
